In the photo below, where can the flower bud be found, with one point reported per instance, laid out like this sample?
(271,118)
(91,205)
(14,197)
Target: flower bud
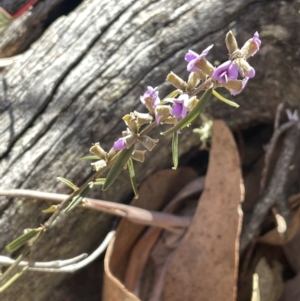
(192,81)
(176,81)
(192,103)
(163,110)
(231,42)
(142,118)
(98,151)
(130,122)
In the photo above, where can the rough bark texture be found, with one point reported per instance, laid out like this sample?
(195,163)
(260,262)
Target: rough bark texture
(88,69)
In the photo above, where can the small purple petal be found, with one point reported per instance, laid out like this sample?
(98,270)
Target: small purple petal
(191,55)
(206,50)
(184,112)
(177,110)
(119,144)
(180,106)
(250,73)
(233,71)
(225,71)
(257,41)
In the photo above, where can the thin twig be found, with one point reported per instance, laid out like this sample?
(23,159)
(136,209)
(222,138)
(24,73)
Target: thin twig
(138,215)
(12,268)
(270,150)
(275,188)
(150,127)
(68,199)
(203,86)
(7,261)
(62,266)
(280,107)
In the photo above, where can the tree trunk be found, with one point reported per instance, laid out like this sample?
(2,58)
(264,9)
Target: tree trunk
(88,69)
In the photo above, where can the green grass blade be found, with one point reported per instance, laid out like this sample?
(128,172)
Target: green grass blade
(175,150)
(132,178)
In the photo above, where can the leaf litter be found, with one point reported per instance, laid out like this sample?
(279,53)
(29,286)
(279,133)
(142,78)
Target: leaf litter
(203,261)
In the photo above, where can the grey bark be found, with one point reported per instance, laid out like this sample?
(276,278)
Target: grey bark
(73,85)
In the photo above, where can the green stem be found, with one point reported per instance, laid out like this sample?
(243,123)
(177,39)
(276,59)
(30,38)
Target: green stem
(149,128)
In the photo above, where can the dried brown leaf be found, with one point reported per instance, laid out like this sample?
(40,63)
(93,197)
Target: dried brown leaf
(155,193)
(140,254)
(113,289)
(204,266)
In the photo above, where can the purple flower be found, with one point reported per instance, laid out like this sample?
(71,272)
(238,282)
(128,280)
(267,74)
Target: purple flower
(151,94)
(193,58)
(119,144)
(244,83)
(226,71)
(257,41)
(180,106)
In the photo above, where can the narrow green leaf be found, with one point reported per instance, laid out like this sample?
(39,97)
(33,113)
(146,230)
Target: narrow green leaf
(132,178)
(68,183)
(99,181)
(175,150)
(23,239)
(222,98)
(117,167)
(74,203)
(50,209)
(79,198)
(192,114)
(89,157)
(12,279)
